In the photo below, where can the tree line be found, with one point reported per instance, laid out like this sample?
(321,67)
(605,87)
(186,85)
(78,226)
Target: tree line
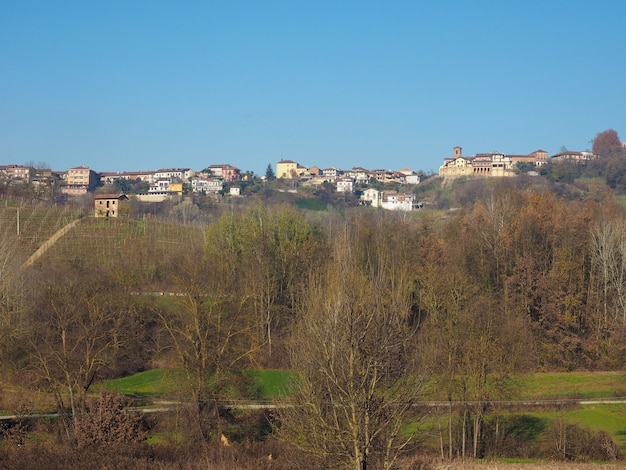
(367,306)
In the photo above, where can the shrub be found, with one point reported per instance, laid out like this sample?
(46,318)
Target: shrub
(107,420)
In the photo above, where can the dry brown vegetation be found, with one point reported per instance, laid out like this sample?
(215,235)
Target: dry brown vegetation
(364,304)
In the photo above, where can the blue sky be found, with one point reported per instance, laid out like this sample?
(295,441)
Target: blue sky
(142,85)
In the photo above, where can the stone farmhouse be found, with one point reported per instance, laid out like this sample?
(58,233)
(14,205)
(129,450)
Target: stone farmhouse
(108,205)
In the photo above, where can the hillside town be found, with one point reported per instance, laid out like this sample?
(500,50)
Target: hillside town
(228,180)
(218,179)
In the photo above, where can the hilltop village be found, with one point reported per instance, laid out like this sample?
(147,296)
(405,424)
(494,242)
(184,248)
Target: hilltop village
(218,180)
(369,186)
(497,164)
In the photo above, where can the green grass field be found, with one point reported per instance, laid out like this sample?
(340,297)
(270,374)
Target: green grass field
(267,384)
(155,383)
(270,383)
(160,383)
(572,385)
(610,418)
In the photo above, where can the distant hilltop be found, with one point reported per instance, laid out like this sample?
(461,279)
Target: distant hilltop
(496,164)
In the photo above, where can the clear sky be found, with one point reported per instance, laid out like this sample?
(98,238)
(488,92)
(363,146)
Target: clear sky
(142,85)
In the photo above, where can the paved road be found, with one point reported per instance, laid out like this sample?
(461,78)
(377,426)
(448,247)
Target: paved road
(260,405)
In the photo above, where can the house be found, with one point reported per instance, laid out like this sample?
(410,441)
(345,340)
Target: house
(331,174)
(371,197)
(541,157)
(80,180)
(174,173)
(17,172)
(389,200)
(160,186)
(345,185)
(108,177)
(410,177)
(537,158)
(571,156)
(176,187)
(226,172)
(360,175)
(108,205)
(397,201)
(492,164)
(315,171)
(43,176)
(206,185)
(386,176)
(287,169)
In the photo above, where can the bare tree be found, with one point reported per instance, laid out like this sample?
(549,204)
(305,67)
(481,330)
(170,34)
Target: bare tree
(77,330)
(266,253)
(210,330)
(354,348)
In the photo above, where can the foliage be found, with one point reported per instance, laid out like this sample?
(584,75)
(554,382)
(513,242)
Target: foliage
(130,186)
(606,141)
(615,173)
(525,275)
(312,204)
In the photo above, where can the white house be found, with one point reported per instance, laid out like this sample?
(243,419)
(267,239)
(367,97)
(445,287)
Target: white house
(410,177)
(389,200)
(345,185)
(160,186)
(397,201)
(372,197)
(170,173)
(206,185)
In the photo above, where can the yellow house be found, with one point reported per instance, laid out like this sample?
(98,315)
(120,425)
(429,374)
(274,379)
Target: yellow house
(286,169)
(176,188)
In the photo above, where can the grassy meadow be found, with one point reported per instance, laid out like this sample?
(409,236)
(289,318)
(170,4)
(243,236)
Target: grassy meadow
(610,417)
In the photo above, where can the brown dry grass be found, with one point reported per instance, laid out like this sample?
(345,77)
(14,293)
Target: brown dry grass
(525,466)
